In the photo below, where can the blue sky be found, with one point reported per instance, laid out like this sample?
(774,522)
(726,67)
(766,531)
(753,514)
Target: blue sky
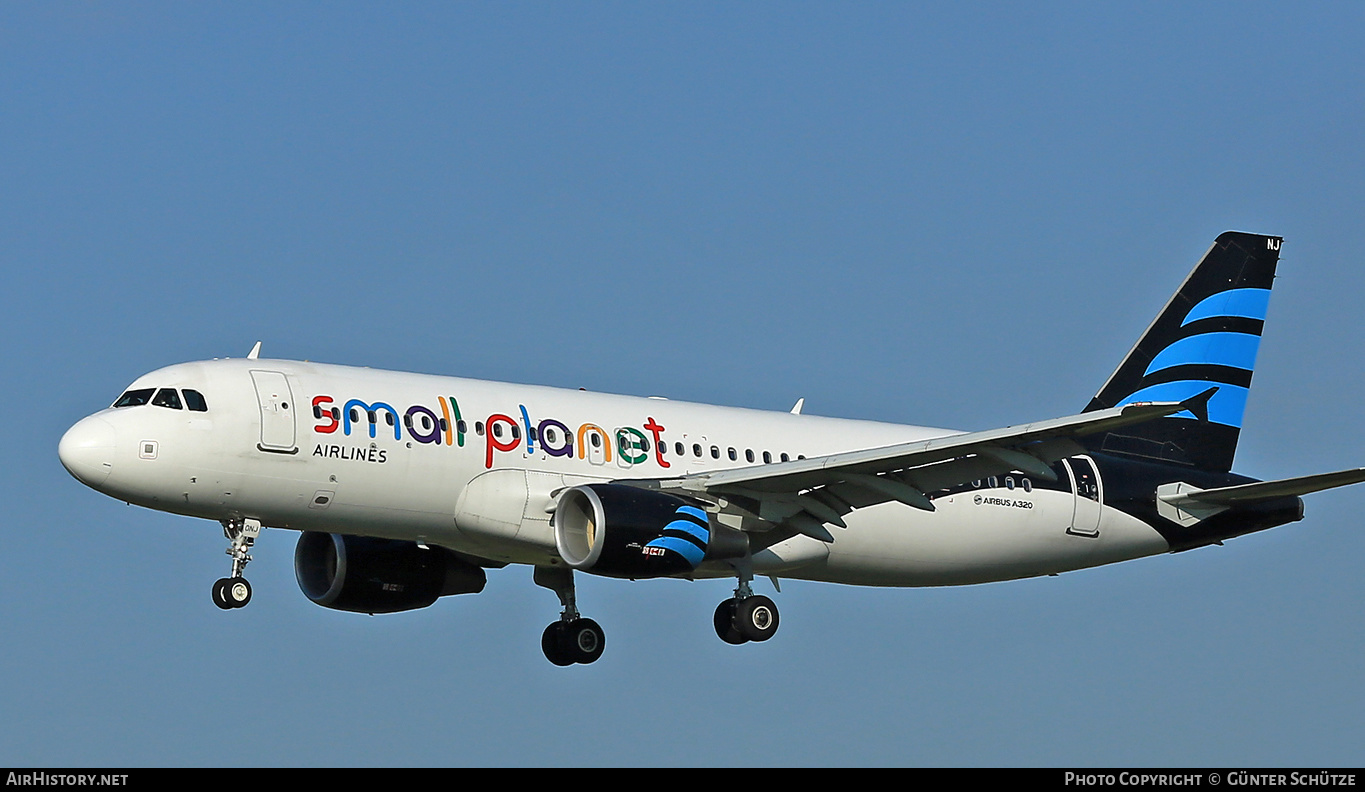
(955,215)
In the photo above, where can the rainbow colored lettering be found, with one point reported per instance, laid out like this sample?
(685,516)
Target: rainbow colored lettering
(425,425)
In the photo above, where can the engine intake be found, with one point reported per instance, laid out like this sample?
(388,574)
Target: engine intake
(622,531)
(367,575)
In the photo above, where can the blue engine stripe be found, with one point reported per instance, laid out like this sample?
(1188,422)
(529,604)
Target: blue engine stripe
(693,511)
(690,528)
(682,547)
(1237,350)
(1226,406)
(1247,303)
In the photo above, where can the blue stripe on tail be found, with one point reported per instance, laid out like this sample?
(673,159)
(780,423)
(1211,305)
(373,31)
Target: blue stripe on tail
(1234,350)
(1244,303)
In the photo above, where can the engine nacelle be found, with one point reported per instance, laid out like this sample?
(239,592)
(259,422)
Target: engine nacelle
(628,532)
(367,575)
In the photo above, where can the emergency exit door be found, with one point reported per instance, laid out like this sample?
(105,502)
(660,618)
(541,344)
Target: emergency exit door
(1087,496)
(277,412)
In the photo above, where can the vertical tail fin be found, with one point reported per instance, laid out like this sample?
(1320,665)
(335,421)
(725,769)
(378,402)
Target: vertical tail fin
(1206,336)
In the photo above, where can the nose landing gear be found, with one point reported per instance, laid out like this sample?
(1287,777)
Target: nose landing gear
(234,591)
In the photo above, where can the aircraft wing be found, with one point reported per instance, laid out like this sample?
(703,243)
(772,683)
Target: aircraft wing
(804,494)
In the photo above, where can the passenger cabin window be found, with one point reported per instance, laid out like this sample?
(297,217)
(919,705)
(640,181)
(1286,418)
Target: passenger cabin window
(135,398)
(167,397)
(195,401)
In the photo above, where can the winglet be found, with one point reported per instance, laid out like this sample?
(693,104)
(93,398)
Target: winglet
(799,404)
(1199,404)
(255,352)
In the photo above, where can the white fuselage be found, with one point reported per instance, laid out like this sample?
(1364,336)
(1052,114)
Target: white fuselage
(284,442)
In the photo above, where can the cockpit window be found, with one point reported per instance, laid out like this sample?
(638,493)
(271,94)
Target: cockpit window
(195,401)
(167,397)
(135,398)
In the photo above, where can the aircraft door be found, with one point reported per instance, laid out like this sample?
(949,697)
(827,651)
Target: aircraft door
(277,412)
(1087,496)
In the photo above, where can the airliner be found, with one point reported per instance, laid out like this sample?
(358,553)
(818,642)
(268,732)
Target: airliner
(406,488)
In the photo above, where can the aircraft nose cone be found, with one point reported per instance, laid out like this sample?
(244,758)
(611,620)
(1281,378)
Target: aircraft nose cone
(87,450)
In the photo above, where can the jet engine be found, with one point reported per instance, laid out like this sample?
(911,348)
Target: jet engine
(366,575)
(627,532)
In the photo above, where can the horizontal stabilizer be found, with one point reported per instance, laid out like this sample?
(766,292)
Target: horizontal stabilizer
(1269,490)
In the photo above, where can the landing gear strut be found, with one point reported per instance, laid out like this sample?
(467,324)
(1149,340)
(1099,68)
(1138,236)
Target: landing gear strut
(572,639)
(234,592)
(746,616)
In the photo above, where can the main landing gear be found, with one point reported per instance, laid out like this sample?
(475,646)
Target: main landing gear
(572,639)
(234,592)
(746,616)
